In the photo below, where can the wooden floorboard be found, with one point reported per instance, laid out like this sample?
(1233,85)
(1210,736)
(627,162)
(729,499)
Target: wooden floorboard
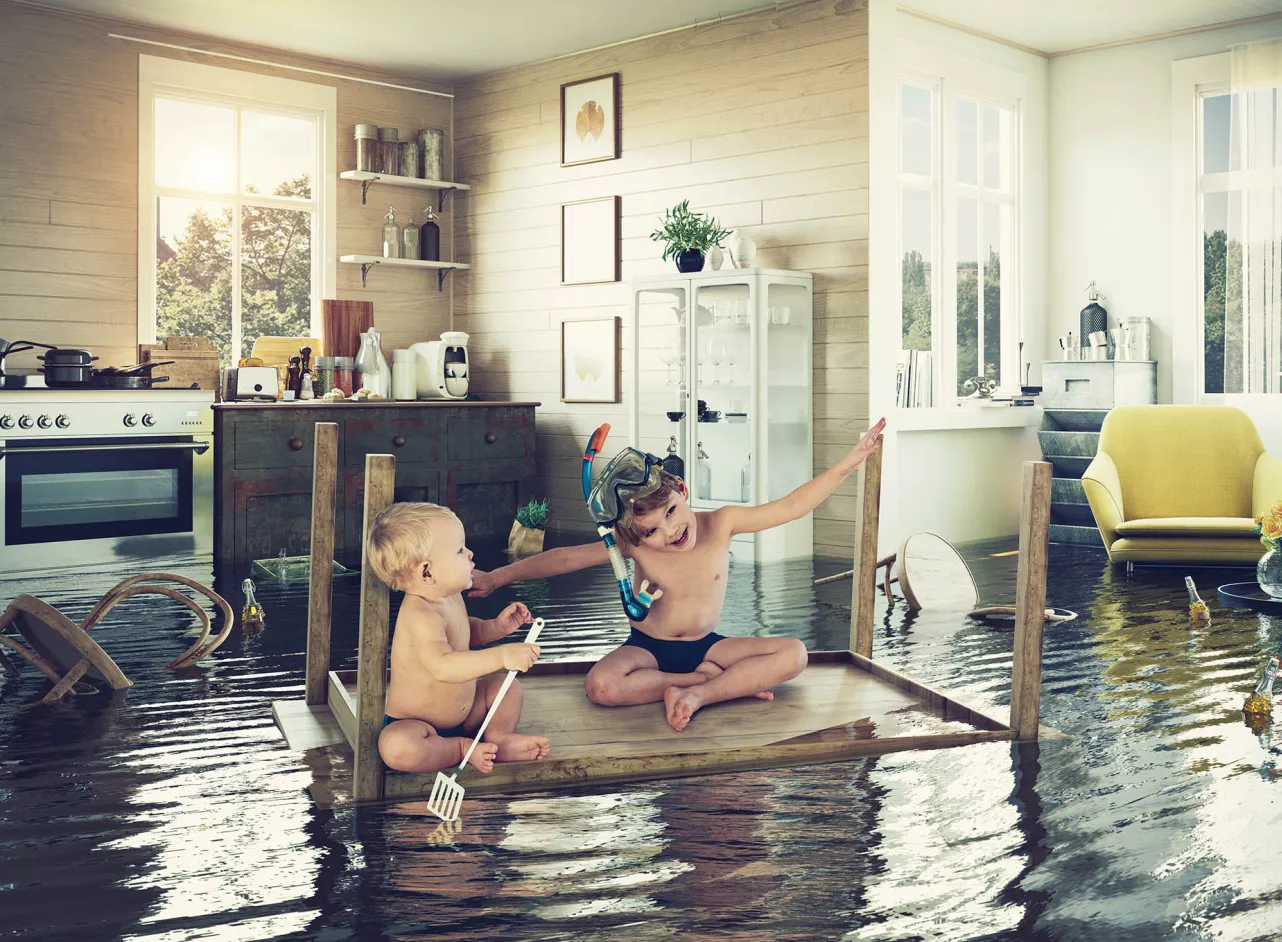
(306,727)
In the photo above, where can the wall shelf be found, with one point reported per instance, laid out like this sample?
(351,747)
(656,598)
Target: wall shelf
(367,178)
(369,261)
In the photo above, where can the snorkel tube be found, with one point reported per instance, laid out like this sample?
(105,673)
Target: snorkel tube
(637,606)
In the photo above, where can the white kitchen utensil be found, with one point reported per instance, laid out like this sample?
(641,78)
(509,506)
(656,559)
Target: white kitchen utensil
(447,793)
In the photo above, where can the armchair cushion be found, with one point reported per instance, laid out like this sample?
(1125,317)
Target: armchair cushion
(1266,489)
(1187,526)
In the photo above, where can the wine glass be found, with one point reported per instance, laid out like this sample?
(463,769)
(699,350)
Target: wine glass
(730,357)
(705,356)
(668,355)
(718,355)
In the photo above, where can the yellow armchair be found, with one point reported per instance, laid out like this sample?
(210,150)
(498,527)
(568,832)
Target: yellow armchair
(1181,484)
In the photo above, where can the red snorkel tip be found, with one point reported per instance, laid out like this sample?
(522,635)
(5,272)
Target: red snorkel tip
(598,439)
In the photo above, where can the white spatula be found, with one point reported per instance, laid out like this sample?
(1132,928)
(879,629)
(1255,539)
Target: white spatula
(447,793)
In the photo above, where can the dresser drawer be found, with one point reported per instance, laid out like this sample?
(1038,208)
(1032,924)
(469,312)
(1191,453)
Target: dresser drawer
(480,434)
(409,440)
(275,442)
(1072,384)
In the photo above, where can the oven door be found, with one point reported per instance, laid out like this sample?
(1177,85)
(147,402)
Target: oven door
(96,489)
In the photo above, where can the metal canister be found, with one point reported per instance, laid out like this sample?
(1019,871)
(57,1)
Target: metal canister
(430,141)
(407,159)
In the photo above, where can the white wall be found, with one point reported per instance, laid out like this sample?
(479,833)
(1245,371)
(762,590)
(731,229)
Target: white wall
(963,484)
(1110,184)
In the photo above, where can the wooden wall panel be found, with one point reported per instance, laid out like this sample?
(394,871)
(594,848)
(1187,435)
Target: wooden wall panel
(762,121)
(69,182)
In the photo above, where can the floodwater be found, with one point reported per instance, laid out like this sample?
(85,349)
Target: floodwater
(175,811)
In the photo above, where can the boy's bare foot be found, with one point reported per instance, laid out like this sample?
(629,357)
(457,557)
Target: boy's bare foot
(513,747)
(680,704)
(710,670)
(482,756)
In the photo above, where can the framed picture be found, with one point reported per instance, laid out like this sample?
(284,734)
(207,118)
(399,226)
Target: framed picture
(590,360)
(590,120)
(590,241)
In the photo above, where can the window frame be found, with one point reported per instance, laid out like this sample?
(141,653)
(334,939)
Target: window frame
(951,78)
(177,79)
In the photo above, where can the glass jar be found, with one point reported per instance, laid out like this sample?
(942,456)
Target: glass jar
(343,369)
(388,150)
(430,151)
(407,159)
(368,156)
(324,375)
(1268,571)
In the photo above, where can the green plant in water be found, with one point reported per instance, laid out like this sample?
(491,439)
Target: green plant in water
(683,230)
(534,515)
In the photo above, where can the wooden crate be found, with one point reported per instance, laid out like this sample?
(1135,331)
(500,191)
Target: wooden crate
(195,361)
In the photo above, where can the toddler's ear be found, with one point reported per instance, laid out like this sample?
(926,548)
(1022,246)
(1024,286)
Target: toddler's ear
(425,572)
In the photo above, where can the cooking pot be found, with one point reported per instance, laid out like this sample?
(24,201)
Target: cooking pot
(137,376)
(67,368)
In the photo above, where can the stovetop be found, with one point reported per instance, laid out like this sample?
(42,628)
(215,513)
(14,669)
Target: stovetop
(35,412)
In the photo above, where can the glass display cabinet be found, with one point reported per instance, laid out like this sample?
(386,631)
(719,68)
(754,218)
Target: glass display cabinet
(722,378)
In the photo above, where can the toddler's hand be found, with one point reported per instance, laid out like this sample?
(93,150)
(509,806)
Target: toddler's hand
(512,618)
(482,584)
(519,657)
(867,445)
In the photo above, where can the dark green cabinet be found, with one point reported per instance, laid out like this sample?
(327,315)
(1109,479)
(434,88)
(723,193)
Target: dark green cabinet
(476,457)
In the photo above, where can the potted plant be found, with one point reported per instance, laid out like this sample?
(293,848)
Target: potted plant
(687,236)
(528,528)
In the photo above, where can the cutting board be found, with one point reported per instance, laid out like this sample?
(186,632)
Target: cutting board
(342,323)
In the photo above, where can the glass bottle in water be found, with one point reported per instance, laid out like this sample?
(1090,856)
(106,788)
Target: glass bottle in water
(391,235)
(251,614)
(705,475)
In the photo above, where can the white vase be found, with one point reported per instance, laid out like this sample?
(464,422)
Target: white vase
(715,258)
(742,250)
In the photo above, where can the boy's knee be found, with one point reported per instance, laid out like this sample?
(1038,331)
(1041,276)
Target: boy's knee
(794,652)
(599,690)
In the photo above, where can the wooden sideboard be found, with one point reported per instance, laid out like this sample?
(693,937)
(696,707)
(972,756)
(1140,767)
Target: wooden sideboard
(475,457)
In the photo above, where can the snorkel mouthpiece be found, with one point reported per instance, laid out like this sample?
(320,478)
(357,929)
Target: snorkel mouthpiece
(629,475)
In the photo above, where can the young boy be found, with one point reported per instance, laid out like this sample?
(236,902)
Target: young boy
(435,703)
(674,655)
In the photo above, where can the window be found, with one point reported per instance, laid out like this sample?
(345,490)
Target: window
(236,204)
(958,206)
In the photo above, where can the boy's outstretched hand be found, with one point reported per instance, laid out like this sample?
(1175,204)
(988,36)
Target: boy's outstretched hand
(512,618)
(867,445)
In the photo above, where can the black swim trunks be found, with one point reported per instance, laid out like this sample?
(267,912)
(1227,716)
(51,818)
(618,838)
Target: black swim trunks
(451,733)
(674,657)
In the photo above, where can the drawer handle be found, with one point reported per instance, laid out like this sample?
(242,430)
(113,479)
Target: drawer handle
(490,438)
(295,444)
(399,441)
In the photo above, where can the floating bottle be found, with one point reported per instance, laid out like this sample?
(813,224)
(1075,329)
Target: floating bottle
(705,475)
(1197,608)
(673,463)
(1260,702)
(252,614)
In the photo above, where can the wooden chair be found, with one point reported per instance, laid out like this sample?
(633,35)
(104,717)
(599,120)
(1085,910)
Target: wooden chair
(64,651)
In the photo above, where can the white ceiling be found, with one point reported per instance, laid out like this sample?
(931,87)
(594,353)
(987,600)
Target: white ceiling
(1050,26)
(448,38)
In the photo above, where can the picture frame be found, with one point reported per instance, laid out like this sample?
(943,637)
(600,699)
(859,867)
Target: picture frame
(590,120)
(590,359)
(590,241)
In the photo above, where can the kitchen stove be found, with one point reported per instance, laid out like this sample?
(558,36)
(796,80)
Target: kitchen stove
(42,412)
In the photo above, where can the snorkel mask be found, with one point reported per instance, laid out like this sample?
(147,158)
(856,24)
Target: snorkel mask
(629,475)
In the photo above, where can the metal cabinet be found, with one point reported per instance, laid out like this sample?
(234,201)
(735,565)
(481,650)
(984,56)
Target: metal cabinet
(476,457)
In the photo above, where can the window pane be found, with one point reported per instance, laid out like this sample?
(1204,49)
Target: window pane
(916,222)
(996,149)
(275,273)
(195,146)
(277,153)
(193,271)
(967,141)
(967,292)
(1215,134)
(915,130)
(990,255)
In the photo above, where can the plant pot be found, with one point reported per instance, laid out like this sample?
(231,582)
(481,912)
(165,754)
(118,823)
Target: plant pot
(523,541)
(689,260)
(1268,572)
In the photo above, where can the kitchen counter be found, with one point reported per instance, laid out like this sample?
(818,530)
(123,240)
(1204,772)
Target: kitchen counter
(476,457)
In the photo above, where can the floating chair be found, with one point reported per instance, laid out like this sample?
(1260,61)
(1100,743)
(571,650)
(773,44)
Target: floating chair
(64,651)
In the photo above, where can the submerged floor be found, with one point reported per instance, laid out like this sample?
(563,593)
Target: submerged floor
(176,812)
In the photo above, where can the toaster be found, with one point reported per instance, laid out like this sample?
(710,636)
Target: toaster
(255,382)
(441,366)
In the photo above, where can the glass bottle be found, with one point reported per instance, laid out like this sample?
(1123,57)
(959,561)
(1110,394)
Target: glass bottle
(1197,608)
(429,242)
(745,481)
(705,475)
(252,614)
(409,239)
(673,463)
(391,235)
(375,374)
(1261,699)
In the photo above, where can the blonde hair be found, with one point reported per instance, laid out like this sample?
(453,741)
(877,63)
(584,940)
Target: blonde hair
(401,539)
(627,529)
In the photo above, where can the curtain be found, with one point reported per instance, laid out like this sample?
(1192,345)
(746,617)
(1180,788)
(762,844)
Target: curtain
(1253,296)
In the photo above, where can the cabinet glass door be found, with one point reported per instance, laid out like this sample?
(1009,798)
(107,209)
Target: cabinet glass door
(786,321)
(722,347)
(663,388)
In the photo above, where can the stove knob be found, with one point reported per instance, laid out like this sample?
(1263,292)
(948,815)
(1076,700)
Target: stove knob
(130,420)
(62,421)
(6,421)
(149,420)
(25,422)
(44,422)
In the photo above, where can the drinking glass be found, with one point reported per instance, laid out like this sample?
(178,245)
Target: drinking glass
(668,355)
(730,357)
(718,357)
(705,356)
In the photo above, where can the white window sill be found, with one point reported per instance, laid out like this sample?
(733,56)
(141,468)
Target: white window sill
(941,418)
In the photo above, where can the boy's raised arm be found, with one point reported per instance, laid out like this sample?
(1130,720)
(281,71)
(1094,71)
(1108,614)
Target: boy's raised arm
(553,562)
(808,496)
